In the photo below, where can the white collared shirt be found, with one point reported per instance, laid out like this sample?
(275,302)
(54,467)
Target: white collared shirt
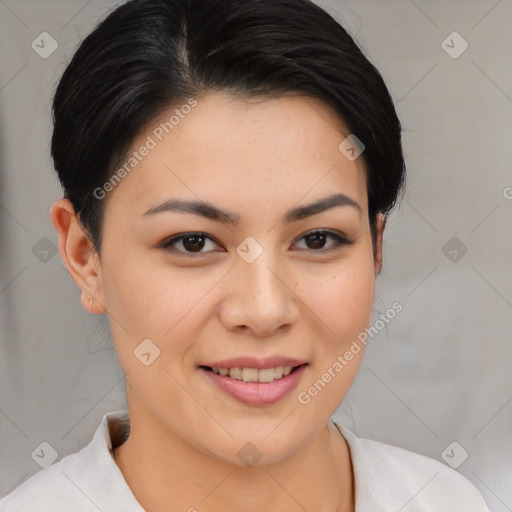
(386,479)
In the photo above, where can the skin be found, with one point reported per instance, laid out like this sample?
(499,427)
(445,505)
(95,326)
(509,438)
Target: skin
(257,159)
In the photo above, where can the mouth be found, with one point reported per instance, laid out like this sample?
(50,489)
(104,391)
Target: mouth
(261,375)
(255,386)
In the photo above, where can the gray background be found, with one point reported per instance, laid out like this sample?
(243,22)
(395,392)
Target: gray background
(440,372)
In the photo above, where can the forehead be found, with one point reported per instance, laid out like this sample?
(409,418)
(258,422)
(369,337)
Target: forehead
(226,146)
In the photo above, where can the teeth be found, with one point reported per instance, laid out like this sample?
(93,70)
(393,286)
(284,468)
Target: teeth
(235,373)
(266,374)
(255,374)
(249,374)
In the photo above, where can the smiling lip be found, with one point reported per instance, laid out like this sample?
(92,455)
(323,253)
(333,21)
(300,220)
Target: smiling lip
(255,362)
(256,393)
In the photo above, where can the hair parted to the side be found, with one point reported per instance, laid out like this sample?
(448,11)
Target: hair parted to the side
(149,55)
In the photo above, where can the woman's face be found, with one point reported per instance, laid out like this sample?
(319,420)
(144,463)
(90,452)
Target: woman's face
(253,282)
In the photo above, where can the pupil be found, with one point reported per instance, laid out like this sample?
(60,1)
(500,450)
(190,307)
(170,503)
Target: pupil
(196,245)
(318,240)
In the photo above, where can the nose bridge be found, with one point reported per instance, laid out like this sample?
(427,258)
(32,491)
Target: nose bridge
(260,298)
(257,278)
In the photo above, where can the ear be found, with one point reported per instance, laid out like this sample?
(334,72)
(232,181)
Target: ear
(79,256)
(381,224)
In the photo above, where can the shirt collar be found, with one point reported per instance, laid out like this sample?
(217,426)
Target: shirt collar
(106,484)
(115,428)
(365,498)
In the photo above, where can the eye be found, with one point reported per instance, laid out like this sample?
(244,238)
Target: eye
(315,241)
(191,245)
(188,244)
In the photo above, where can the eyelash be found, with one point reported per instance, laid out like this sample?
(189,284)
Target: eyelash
(166,245)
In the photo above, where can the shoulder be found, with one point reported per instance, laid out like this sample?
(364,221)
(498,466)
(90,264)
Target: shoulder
(50,489)
(88,480)
(401,479)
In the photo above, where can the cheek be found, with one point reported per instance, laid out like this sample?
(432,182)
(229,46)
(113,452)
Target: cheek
(149,301)
(342,307)
(342,300)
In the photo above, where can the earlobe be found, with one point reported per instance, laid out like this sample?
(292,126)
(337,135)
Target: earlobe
(381,224)
(78,254)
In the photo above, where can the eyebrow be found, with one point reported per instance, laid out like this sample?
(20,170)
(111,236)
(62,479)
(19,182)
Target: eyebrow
(209,211)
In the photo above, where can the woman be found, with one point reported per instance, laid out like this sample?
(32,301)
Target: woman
(228,167)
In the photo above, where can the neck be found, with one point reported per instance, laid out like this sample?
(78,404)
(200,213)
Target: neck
(160,468)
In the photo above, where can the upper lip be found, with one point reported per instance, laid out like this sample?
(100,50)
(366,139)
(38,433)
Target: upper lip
(256,362)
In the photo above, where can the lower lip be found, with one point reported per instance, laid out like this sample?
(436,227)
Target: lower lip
(257,393)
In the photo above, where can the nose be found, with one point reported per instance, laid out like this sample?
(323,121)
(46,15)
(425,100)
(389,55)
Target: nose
(260,298)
